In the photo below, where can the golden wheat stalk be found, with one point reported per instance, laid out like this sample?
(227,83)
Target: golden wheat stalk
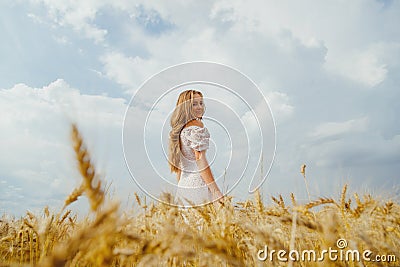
(89,186)
(303,172)
(159,235)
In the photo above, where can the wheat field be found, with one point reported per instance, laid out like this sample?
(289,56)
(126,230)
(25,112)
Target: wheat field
(233,234)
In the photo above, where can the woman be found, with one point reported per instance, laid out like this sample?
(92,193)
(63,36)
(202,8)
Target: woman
(188,142)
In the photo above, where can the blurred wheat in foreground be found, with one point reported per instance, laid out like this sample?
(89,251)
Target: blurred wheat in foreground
(232,235)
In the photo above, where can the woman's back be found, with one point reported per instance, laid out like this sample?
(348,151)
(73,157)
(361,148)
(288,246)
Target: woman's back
(187,151)
(191,185)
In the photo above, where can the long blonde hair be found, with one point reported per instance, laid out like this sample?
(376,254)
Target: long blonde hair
(181,115)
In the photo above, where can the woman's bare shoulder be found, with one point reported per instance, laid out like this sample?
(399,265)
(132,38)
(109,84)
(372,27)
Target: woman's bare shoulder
(194,123)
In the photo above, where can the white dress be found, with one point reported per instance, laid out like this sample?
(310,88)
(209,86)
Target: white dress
(191,185)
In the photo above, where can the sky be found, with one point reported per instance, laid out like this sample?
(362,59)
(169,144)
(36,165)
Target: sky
(329,71)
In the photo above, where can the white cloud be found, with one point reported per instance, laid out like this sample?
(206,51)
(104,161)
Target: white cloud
(336,129)
(62,40)
(199,39)
(365,67)
(368,151)
(293,50)
(78,15)
(280,105)
(35,125)
(204,45)
(130,72)
(317,24)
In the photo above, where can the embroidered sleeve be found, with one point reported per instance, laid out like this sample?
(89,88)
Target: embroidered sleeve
(197,137)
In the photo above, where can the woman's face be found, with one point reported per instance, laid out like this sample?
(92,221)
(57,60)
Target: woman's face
(198,105)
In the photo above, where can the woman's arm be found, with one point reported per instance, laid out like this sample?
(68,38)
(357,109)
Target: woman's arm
(206,173)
